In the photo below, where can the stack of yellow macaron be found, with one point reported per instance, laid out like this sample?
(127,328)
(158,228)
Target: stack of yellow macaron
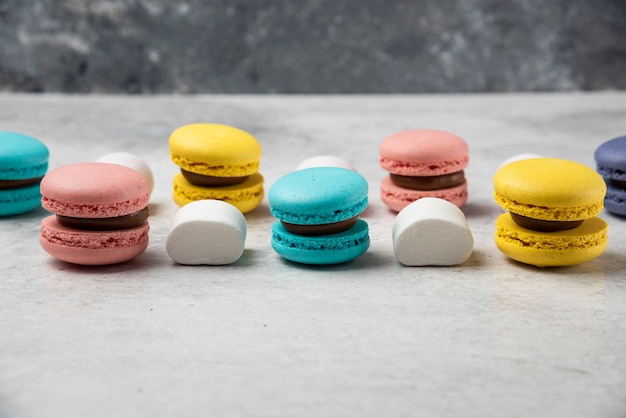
(216,162)
(552,206)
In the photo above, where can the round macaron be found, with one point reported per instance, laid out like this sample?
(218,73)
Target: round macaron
(209,232)
(318,211)
(423,163)
(552,206)
(216,162)
(132,161)
(23,162)
(100,213)
(431,232)
(611,164)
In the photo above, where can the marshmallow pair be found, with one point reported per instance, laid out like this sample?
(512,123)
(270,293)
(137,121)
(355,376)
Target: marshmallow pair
(429,231)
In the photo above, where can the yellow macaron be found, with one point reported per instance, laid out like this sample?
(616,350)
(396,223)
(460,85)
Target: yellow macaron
(216,162)
(215,150)
(552,206)
(245,196)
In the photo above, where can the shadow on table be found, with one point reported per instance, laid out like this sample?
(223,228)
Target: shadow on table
(149,260)
(366,261)
(609,263)
(372,260)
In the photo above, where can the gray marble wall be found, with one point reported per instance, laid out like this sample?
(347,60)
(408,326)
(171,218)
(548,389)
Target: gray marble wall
(317,46)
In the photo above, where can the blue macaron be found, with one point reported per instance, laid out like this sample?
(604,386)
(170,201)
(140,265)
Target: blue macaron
(318,211)
(611,165)
(23,162)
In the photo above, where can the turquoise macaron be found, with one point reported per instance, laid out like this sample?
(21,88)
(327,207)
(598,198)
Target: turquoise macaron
(318,215)
(23,163)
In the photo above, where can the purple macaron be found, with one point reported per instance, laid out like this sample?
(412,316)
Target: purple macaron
(611,164)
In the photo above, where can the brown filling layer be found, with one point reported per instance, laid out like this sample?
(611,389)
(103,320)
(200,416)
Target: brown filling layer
(15,184)
(544,226)
(324,229)
(619,183)
(211,181)
(445,181)
(106,224)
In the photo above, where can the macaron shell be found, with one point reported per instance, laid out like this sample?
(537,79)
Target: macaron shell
(431,232)
(549,189)
(423,152)
(94,190)
(319,195)
(20,200)
(551,249)
(215,150)
(130,161)
(92,247)
(209,232)
(615,200)
(245,196)
(611,159)
(21,156)
(326,249)
(397,198)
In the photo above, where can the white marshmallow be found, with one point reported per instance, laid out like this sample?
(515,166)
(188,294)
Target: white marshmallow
(431,232)
(325,161)
(131,161)
(519,157)
(210,232)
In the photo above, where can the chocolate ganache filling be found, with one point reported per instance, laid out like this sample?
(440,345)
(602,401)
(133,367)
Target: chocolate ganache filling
(132,220)
(211,181)
(15,184)
(542,225)
(444,181)
(621,184)
(323,229)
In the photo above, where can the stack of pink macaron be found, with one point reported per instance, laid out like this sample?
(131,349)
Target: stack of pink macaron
(100,213)
(423,163)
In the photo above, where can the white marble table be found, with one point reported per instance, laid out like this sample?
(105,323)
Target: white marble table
(268,338)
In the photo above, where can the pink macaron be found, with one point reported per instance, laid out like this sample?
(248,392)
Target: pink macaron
(100,213)
(423,163)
